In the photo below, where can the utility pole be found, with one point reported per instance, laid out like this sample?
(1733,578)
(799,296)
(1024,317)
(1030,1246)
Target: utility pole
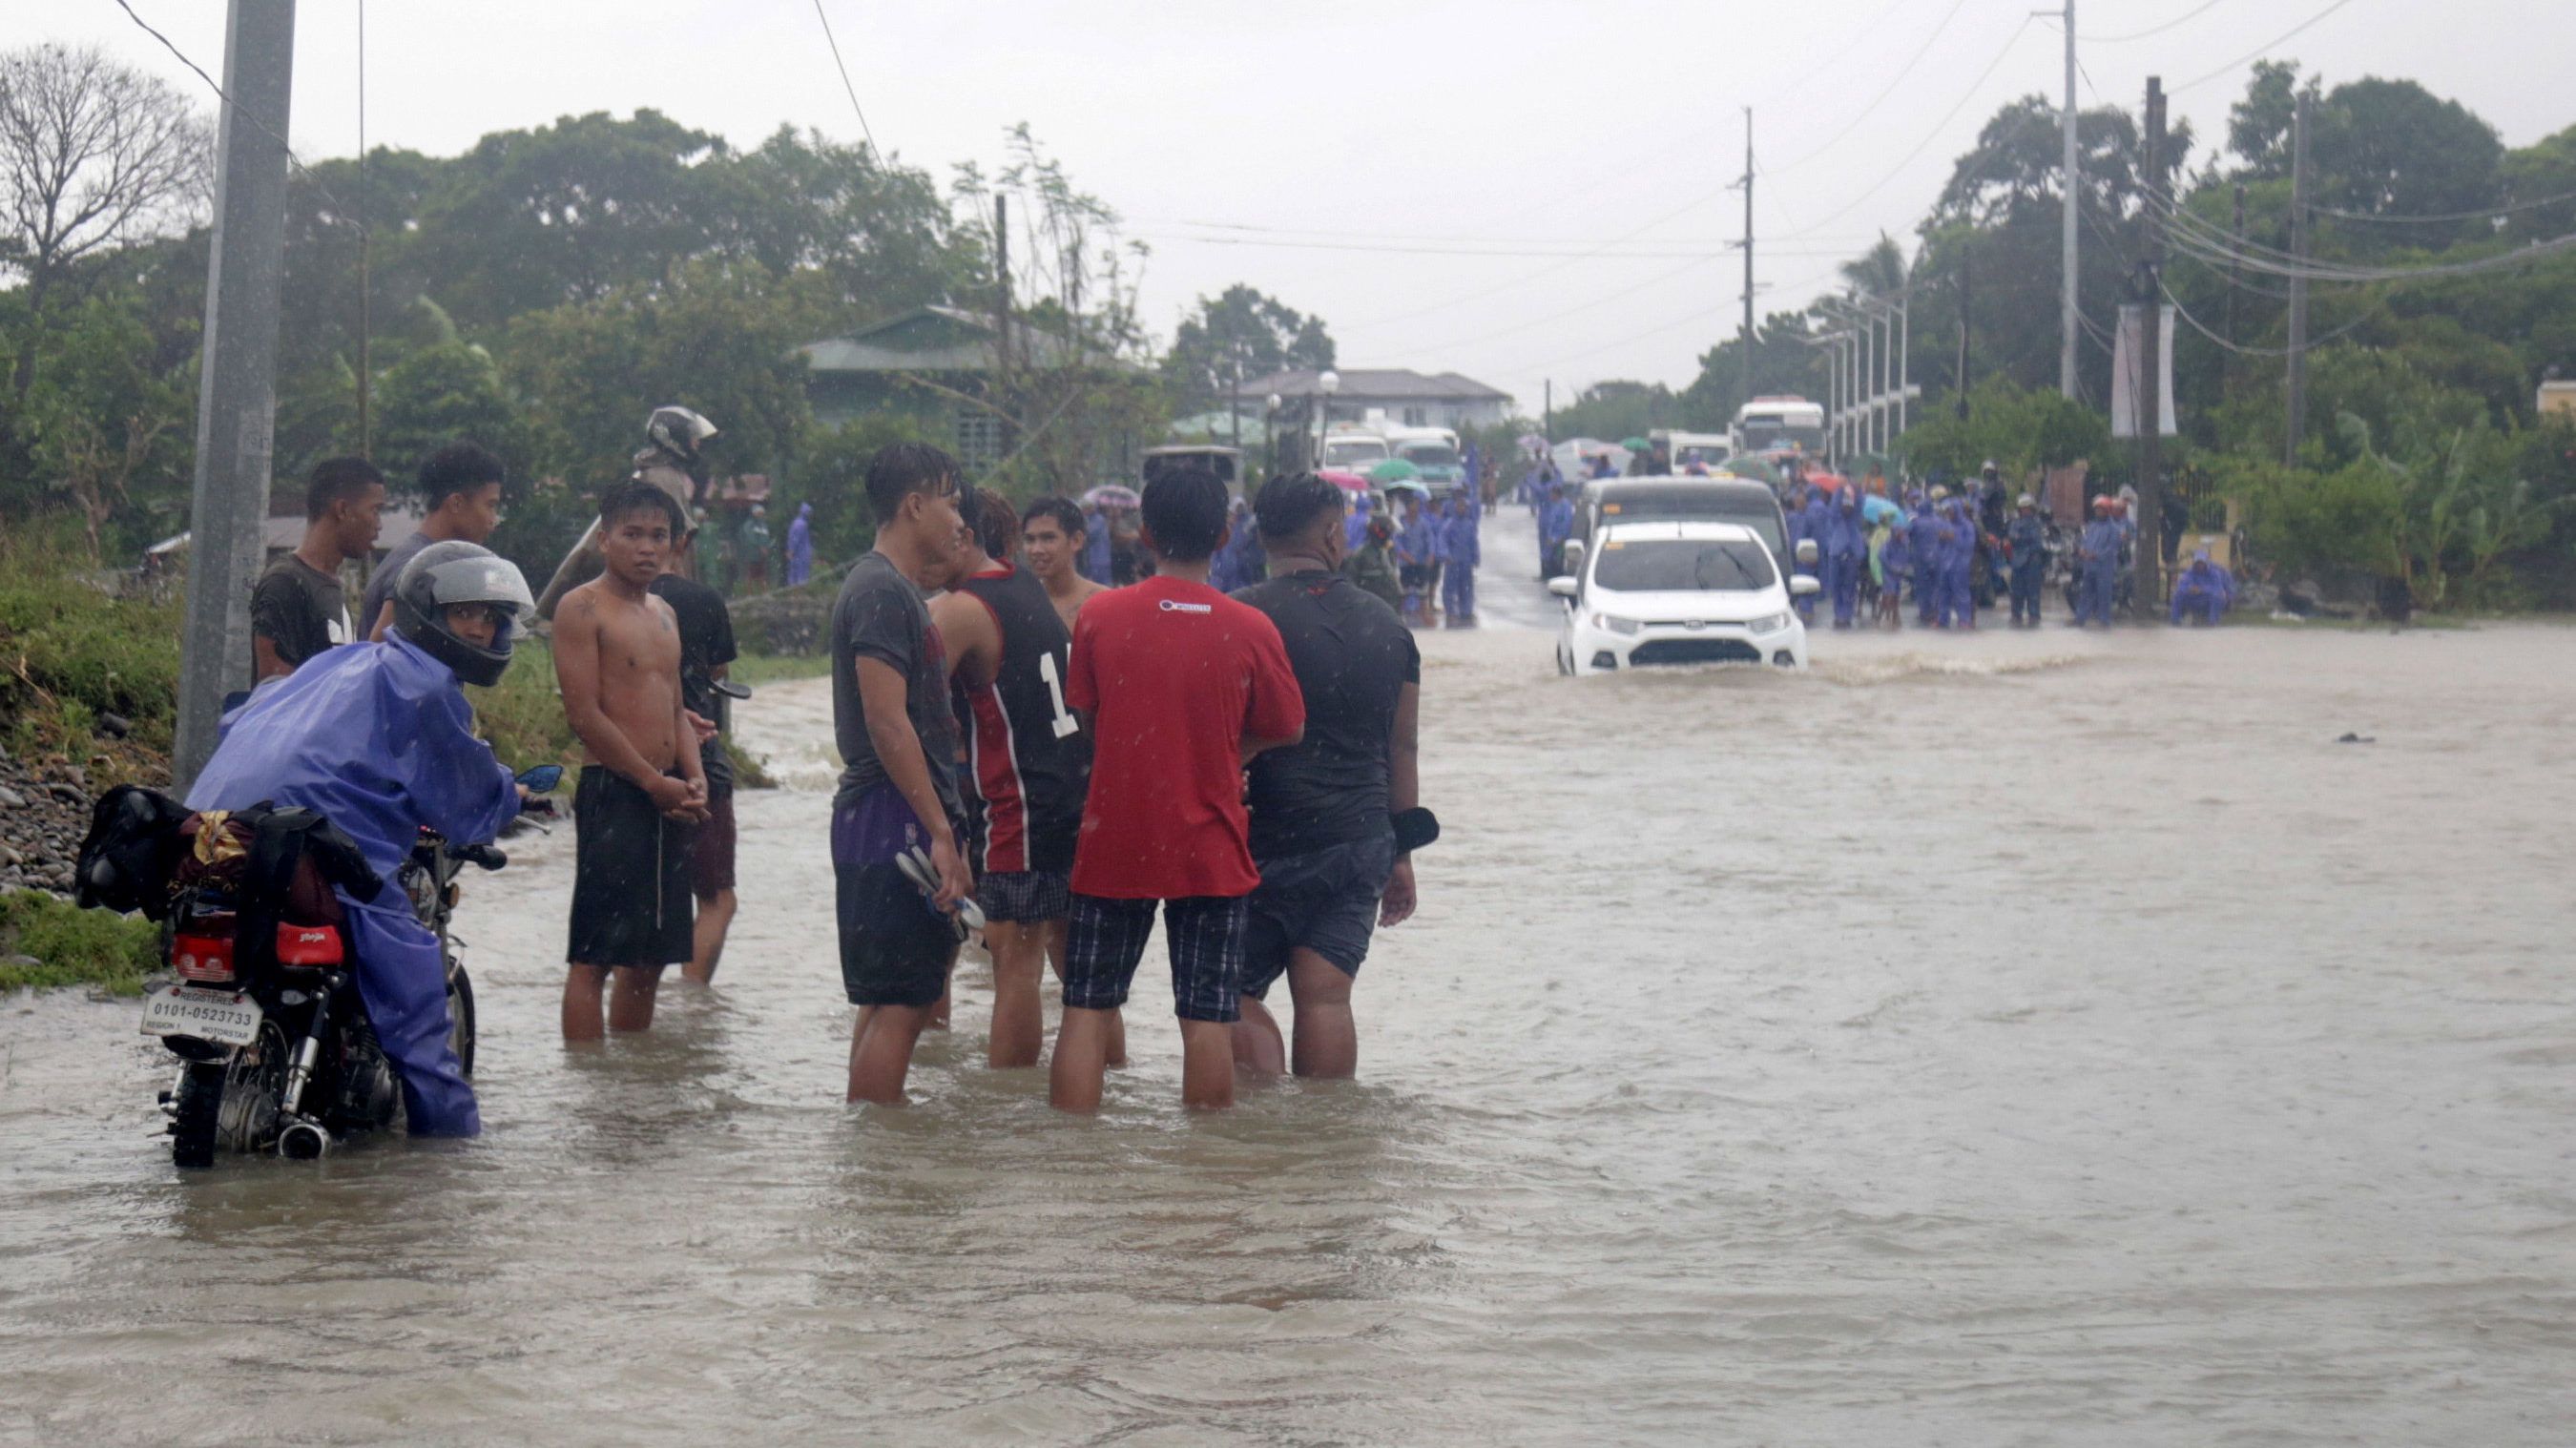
(1746,181)
(237,380)
(1547,409)
(2150,391)
(2298,380)
(2066,239)
(1904,363)
(1967,323)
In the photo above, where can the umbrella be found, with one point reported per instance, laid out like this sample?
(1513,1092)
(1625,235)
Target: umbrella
(1634,444)
(1830,482)
(1407,485)
(1753,470)
(1111,495)
(1394,470)
(1873,508)
(1348,482)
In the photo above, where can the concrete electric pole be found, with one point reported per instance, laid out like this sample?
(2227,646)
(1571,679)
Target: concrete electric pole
(2297,389)
(237,379)
(2066,238)
(2150,391)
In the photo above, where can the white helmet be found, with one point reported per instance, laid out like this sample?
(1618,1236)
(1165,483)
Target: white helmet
(678,431)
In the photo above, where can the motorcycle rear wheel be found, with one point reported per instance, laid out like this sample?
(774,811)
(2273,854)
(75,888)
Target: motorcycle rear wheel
(460,1019)
(199,1103)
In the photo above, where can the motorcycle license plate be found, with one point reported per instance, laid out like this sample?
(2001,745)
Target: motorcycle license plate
(209,1015)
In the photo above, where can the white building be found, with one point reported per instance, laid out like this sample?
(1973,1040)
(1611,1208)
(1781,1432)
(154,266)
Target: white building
(1406,398)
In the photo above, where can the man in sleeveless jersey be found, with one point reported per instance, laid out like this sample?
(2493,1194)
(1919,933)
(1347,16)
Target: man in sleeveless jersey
(1025,765)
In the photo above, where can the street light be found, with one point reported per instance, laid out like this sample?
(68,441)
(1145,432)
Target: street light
(1325,386)
(1270,430)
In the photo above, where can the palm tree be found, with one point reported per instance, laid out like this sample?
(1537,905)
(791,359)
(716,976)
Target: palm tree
(1877,272)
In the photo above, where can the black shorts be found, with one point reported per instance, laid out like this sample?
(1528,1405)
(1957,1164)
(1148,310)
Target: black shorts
(1024,896)
(1324,900)
(711,853)
(630,877)
(1204,933)
(1414,575)
(895,949)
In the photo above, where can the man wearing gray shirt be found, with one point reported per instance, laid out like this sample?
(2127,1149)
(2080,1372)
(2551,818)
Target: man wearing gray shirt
(897,737)
(460,484)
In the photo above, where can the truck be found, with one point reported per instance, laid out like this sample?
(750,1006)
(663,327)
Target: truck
(1779,425)
(1685,448)
(1431,450)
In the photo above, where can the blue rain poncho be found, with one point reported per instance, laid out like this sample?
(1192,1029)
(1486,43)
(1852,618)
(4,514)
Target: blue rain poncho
(377,739)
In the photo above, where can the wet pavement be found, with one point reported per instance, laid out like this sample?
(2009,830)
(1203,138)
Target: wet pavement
(2009,1039)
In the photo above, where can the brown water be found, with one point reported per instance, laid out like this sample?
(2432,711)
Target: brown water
(2012,1039)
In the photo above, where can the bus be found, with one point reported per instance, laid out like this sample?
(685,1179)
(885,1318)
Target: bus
(1779,425)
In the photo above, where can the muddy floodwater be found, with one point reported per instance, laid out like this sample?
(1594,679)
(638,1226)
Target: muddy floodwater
(2015,1039)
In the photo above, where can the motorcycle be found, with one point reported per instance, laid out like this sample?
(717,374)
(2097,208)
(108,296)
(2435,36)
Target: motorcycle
(288,1062)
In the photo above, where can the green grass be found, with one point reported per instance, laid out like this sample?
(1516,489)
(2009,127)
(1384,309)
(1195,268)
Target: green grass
(70,652)
(754,670)
(73,946)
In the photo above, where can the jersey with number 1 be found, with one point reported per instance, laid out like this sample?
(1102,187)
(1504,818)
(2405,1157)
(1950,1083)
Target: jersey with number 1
(1028,761)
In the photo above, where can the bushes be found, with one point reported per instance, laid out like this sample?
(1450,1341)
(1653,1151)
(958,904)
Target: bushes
(70,651)
(72,946)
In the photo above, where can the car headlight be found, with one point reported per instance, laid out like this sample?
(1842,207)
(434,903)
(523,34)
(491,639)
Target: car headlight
(1616,624)
(1768,624)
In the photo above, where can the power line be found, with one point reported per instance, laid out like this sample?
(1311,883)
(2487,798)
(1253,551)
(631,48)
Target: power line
(1597,252)
(2242,350)
(2482,214)
(852,90)
(2259,51)
(2185,18)
(1864,112)
(1930,132)
(338,211)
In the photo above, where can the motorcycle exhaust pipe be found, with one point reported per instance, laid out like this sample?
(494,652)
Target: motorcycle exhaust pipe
(303,1141)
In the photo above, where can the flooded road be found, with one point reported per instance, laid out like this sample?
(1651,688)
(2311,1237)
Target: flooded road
(2016,1039)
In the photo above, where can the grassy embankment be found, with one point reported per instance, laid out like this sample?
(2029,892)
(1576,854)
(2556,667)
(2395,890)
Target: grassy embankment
(72,946)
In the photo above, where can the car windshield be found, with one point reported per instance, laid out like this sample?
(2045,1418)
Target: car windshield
(1681,565)
(1765,522)
(1431,455)
(1339,451)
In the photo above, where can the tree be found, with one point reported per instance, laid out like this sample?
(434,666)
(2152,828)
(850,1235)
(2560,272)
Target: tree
(1240,335)
(1877,272)
(2393,148)
(439,395)
(2258,127)
(93,156)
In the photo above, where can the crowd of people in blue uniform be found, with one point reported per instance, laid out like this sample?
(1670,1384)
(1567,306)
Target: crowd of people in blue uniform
(1429,557)
(1873,551)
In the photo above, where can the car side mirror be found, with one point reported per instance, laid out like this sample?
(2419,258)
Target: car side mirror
(1807,551)
(1564,586)
(1803,584)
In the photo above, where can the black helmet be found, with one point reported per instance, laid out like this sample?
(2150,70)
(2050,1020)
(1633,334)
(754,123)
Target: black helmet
(443,575)
(678,431)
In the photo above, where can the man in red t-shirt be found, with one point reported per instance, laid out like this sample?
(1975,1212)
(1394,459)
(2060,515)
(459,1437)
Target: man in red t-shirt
(1177,685)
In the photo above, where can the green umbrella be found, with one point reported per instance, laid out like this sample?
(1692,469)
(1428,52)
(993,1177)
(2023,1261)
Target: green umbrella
(1394,470)
(1752,470)
(1635,444)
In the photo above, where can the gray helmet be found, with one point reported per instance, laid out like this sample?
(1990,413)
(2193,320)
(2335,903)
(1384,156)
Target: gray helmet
(678,431)
(443,575)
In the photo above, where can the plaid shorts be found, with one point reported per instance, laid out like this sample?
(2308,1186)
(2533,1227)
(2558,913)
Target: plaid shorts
(1203,932)
(1020,896)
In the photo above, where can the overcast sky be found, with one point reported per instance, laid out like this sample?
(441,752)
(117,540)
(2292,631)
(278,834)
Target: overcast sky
(1256,142)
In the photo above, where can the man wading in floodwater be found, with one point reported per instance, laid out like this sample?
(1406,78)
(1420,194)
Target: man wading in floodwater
(617,659)
(899,793)
(1323,809)
(1023,773)
(1177,685)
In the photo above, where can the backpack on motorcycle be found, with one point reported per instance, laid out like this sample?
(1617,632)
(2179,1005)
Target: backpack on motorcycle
(130,853)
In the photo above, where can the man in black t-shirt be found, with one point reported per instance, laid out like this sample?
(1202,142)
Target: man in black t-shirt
(298,608)
(706,651)
(1322,810)
(898,793)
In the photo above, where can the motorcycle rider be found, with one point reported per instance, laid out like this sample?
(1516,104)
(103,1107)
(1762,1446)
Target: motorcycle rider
(377,738)
(672,460)
(2027,542)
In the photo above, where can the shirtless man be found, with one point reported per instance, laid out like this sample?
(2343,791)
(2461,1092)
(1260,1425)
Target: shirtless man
(617,658)
(1051,543)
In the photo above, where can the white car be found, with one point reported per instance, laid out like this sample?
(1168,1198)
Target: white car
(1681,592)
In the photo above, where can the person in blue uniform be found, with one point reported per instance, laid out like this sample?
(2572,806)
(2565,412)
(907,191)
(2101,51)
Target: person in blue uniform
(1895,572)
(1814,524)
(1924,537)
(1355,526)
(377,739)
(2097,555)
(1846,556)
(2026,541)
(1555,525)
(1464,553)
(2204,590)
